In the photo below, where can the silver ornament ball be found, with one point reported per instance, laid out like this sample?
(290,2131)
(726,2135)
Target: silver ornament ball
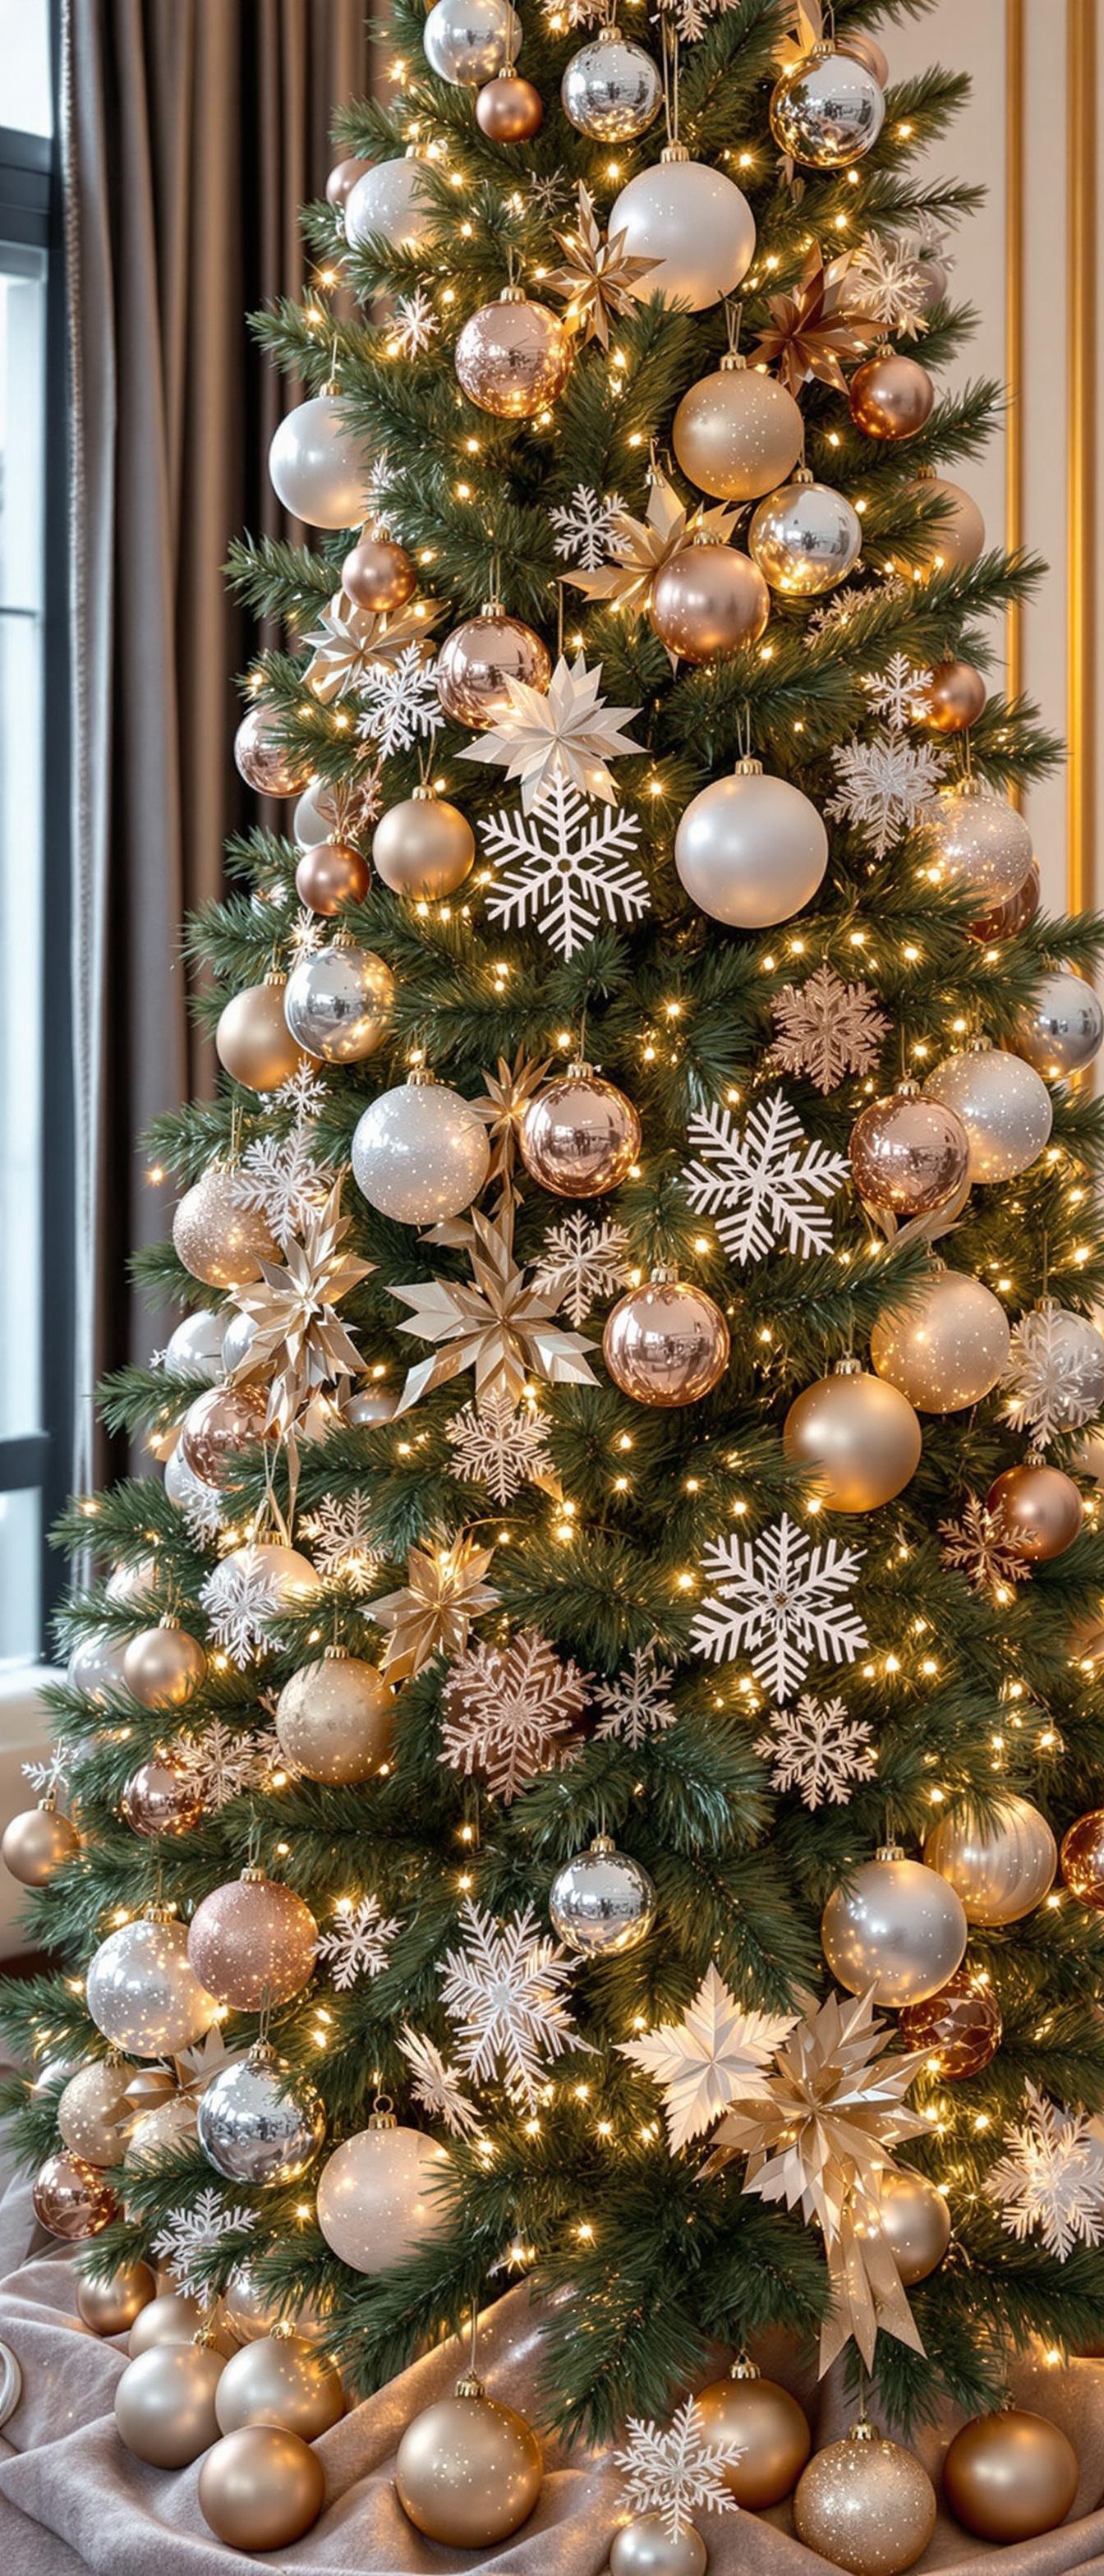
(1064,1029)
(338,1003)
(1004,1106)
(390,201)
(471,41)
(896,1927)
(611,90)
(259,2121)
(141,1992)
(826,109)
(602,1902)
(194,1347)
(805,537)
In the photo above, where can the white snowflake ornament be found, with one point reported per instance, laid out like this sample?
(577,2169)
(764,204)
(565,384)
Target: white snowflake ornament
(707,2060)
(504,1989)
(241,1600)
(500,1444)
(357,1944)
(883,785)
(765,1184)
(435,2086)
(400,700)
(780,1600)
(816,1749)
(413,325)
(582,1261)
(897,693)
(223,1764)
(283,1180)
(564,868)
(677,2473)
(635,1704)
(343,1547)
(1050,2181)
(188,2234)
(1055,1372)
(510,1712)
(584,527)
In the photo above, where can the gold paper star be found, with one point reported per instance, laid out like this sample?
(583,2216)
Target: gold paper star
(642,546)
(599,277)
(565,731)
(502,1106)
(498,1325)
(431,1615)
(348,639)
(811,331)
(297,1329)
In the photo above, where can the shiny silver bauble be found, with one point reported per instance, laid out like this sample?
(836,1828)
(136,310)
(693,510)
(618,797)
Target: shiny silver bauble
(611,90)
(337,1003)
(260,2121)
(471,41)
(1064,1028)
(805,538)
(602,1902)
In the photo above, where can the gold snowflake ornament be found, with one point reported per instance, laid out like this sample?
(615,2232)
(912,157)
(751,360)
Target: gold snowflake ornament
(811,329)
(641,547)
(977,1546)
(297,1331)
(431,1614)
(500,1325)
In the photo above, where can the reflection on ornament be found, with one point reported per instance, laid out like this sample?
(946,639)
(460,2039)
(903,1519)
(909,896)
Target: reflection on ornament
(279,2380)
(751,850)
(1039,1509)
(865,2504)
(337,1004)
(708,601)
(424,848)
(480,659)
(253,1042)
(826,109)
(976,844)
(317,465)
(253,1942)
(390,202)
(737,433)
(666,1343)
(1010,2476)
(71,2199)
(378,575)
(857,1435)
(947,1347)
(165,2403)
(1083,1860)
(602,1902)
(891,396)
(468,2471)
(509,109)
(377,2201)
(513,357)
(259,2121)
(580,1136)
(1004,1106)
(37,1843)
(1064,1029)
(161,1797)
(261,2488)
(329,876)
(162,1666)
(960,2025)
(611,90)
(262,759)
(694,227)
(141,1992)
(960,539)
(805,538)
(895,1928)
(469,41)
(1006,919)
(220,1426)
(916,2222)
(1002,1866)
(953,698)
(765,2430)
(420,1152)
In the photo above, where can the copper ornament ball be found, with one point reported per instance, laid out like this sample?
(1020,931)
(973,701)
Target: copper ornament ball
(252,1941)
(263,760)
(162,1666)
(215,1237)
(261,2488)
(513,357)
(424,847)
(908,1154)
(765,2427)
(1039,1508)
(856,1436)
(468,2471)
(666,1343)
(1083,1860)
(1002,1865)
(479,658)
(866,2504)
(509,109)
(110,2307)
(378,575)
(280,2379)
(160,1797)
(737,433)
(37,1843)
(71,2199)
(331,875)
(1010,2476)
(708,601)
(953,699)
(1004,920)
(960,2025)
(916,2222)
(580,1136)
(891,396)
(165,2403)
(219,1426)
(342,180)
(253,1042)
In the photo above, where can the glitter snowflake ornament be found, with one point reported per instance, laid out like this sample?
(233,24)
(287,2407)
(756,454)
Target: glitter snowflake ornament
(223,1764)
(501,1445)
(584,526)
(827,1029)
(358,1941)
(818,1751)
(510,1713)
(708,2059)
(582,1262)
(1055,1372)
(883,784)
(886,283)
(343,1546)
(413,325)
(435,2085)
(504,1989)
(677,2473)
(564,868)
(636,1704)
(563,733)
(781,1600)
(976,1546)
(763,1185)
(188,2236)
(284,1180)
(1050,2181)
(242,1599)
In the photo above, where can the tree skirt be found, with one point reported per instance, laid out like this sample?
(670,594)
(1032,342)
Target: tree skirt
(72,2499)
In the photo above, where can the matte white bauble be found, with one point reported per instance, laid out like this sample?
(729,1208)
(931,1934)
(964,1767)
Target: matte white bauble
(751,850)
(390,201)
(194,1349)
(695,224)
(377,2201)
(420,1153)
(471,41)
(317,467)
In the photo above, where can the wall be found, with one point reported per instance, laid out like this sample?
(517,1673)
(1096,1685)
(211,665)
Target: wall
(1028,263)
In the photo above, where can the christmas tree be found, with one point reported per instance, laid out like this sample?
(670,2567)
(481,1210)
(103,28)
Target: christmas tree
(562,1778)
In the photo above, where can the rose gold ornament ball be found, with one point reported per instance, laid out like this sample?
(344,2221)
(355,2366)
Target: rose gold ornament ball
(342,180)
(93,2111)
(1005,919)
(766,2430)
(110,2307)
(1083,1860)
(960,2025)
(1010,2476)
(261,2488)
(378,575)
(580,1136)
(253,1042)
(71,2199)
(37,1843)
(1040,1510)
(908,1153)
(513,357)
(161,1798)
(891,396)
(1002,1864)
(331,875)
(480,657)
(509,109)
(262,759)
(709,600)
(218,1426)
(162,1666)
(217,1239)
(252,1941)
(954,698)
(666,1343)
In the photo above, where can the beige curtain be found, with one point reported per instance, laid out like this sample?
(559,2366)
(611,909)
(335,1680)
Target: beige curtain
(192,130)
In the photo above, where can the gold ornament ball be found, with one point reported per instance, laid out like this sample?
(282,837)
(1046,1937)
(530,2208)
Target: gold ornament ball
(217,1239)
(172,2318)
(891,396)
(857,1435)
(290,1577)
(424,848)
(161,1798)
(764,2426)
(261,2488)
(1005,919)
(253,1942)
(279,2380)
(509,109)
(666,1343)
(1083,1860)
(110,2307)
(644,2547)
(1010,2476)
(959,2025)
(960,538)
(1039,1508)
(335,1719)
(378,575)
(163,2127)
(580,1136)
(71,2199)
(947,1347)
(253,2311)
(954,698)
(866,2505)
(1004,1106)
(253,1042)
(263,760)
(478,660)
(162,1666)
(708,601)
(805,538)
(513,357)
(331,875)
(37,1843)
(826,109)
(896,1927)
(916,2223)
(468,2471)
(93,2110)
(737,433)
(1002,1865)
(165,2403)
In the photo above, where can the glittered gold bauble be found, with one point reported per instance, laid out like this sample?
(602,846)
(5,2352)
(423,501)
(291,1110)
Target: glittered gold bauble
(896,1927)
(1002,1866)
(737,433)
(692,223)
(644,2547)
(611,89)
(915,2221)
(1010,2476)
(891,396)
(331,875)
(960,2025)
(253,1942)
(763,2426)
(378,2199)
(217,1239)
(750,850)
(478,659)
(826,109)
(468,2471)
(93,2111)
(173,2318)
(165,2403)
(160,1797)
(37,1843)
(805,538)
(261,2488)
(110,2307)
(253,1042)
(280,2380)
(1005,919)
(263,760)
(947,1347)
(71,2198)
(162,1666)
(343,177)
(378,575)
(1083,1859)
(580,1136)
(708,601)
(509,109)
(420,1152)
(960,538)
(976,844)
(424,848)
(219,1426)
(1064,1028)
(856,1435)
(1040,1510)
(666,1343)
(338,1002)
(335,1718)
(142,1993)
(866,2505)
(953,699)
(1004,1106)
(513,357)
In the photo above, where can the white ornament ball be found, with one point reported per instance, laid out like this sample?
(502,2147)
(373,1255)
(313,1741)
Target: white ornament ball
(695,224)
(1004,1106)
(420,1153)
(141,1991)
(318,468)
(751,850)
(389,200)
(376,2198)
(316,816)
(194,1348)
(471,41)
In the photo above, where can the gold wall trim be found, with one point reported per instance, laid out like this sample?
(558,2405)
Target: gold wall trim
(1081,380)
(1014,321)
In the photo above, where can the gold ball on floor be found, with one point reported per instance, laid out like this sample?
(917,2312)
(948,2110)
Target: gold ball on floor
(261,2488)
(165,2403)
(468,2471)
(173,2318)
(644,2547)
(766,2428)
(1010,2476)
(866,2504)
(110,2307)
(280,2380)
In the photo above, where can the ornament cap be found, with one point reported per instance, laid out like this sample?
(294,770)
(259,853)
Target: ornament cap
(733,363)
(512,295)
(253,1875)
(603,1844)
(423,794)
(262,2053)
(803,474)
(742,2368)
(579,1070)
(749,767)
(469,2385)
(674,152)
(663,1274)
(926,474)
(891,1851)
(610,35)
(283,2331)
(863,2431)
(980,1046)
(491,607)
(382,2120)
(907,1089)
(275,977)
(420,1077)
(848,1366)
(335,1654)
